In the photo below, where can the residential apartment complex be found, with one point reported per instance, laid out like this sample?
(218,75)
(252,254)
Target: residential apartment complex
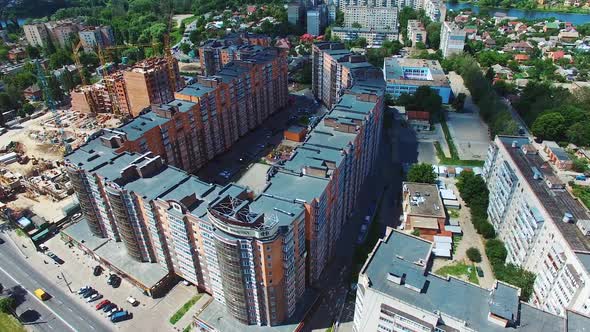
(416,32)
(257,255)
(375,38)
(360,9)
(405,75)
(36,34)
(379,18)
(62,33)
(452,39)
(216,53)
(317,20)
(545,230)
(396,292)
(131,90)
(336,69)
(100,36)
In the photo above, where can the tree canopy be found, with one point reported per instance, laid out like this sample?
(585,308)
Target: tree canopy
(421,173)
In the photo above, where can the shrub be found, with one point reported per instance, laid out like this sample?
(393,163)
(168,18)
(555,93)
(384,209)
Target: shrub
(474,255)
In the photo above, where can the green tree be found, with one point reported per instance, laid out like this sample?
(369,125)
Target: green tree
(33,52)
(185,48)
(7,305)
(421,173)
(416,232)
(471,187)
(433,35)
(487,230)
(496,251)
(339,18)
(357,25)
(579,133)
(28,108)
(580,165)
(474,255)
(549,126)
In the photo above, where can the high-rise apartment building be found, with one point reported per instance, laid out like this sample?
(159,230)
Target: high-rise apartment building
(216,53)
(436,10)
(36,34)
(132,89)
(397,292)
(545,229)
(93,37)
(416,32)
(335,69)
(400,4)
(378,18)
(452,39)
(256,254)
(317,20)
(296,12)
(62,32)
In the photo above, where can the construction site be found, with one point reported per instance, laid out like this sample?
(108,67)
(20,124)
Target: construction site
(31,172)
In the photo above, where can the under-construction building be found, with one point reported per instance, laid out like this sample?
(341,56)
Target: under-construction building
(131,90)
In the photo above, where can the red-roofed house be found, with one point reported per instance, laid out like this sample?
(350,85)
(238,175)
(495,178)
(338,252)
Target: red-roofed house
(251,9)
(283,43)
(520,58)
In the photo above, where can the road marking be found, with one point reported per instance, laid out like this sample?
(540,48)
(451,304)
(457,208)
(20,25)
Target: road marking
(70,309)
(92,327)
(51,327)
(42,303)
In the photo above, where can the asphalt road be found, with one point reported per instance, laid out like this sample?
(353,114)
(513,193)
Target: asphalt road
(60,313)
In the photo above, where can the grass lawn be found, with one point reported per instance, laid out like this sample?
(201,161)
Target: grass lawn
(19,232)
(9,323)
(444,160)
(454,213)
(583,193)
(184,309)
(456,240)
(188,328)
(459,270)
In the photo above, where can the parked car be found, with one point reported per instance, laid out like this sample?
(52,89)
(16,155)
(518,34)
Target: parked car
(97,270)
(54,257)
(89,293)
(116,282)
(101,304)
(83,289)
(89,290)
(133,301)
(112,312)
(94,297)
(120,316)
(109,307)
(479,272)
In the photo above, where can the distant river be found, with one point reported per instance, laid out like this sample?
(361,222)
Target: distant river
(574,18)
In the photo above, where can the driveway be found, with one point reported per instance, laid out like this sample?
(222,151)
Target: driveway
(470,239)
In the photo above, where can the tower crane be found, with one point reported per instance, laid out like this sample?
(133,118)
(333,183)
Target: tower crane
(51,104)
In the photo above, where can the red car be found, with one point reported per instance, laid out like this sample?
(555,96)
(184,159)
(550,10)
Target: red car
(102,304)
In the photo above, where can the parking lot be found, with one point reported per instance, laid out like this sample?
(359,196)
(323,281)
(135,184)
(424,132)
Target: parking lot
(77,272)
(232,165)
(470,135)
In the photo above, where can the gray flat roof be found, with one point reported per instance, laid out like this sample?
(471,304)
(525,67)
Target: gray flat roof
(149,274)
(302,187)
(555,202)
(577,322)
(460,299)
(115,253)
(196,90)
(81,233)
(141,124)
(313,156)
(429,202)
(215,315)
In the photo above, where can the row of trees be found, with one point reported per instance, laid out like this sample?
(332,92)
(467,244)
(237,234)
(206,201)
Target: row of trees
(474,192)
(492,110)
